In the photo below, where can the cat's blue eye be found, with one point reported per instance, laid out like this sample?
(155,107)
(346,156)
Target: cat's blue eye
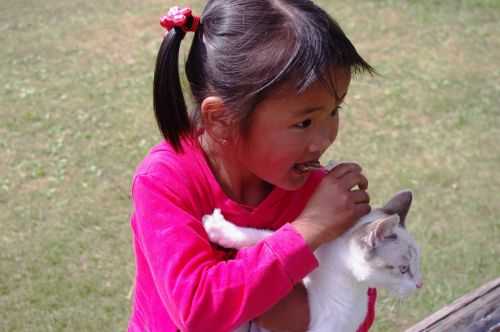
(404,269)
(304,124)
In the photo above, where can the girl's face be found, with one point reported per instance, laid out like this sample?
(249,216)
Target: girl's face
(288,130)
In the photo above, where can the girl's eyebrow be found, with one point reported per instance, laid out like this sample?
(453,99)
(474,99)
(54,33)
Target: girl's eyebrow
(309,110)
(318,108)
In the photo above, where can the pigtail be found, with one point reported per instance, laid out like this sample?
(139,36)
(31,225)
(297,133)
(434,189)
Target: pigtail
(169,104)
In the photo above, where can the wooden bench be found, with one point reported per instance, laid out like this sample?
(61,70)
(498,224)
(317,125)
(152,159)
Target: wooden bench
(478,311)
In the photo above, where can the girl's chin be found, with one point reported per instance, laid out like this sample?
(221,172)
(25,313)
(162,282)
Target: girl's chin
(295,179)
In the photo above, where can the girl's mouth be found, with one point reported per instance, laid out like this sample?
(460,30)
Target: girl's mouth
(307,166)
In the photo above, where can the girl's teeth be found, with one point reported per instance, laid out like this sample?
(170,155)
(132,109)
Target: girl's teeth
(305,167)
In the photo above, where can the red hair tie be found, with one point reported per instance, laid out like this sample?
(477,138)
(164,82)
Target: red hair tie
(180,18)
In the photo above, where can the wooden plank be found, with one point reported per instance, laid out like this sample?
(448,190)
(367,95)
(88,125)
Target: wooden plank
(475,317)
(463,311)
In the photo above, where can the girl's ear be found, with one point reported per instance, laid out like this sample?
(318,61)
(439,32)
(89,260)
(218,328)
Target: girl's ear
(215,121)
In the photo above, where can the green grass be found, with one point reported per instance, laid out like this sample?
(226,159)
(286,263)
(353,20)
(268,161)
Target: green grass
(76,112)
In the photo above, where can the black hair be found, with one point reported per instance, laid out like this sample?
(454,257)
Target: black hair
(240,52)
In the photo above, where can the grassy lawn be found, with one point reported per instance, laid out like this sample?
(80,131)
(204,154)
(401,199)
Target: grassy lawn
(76,118)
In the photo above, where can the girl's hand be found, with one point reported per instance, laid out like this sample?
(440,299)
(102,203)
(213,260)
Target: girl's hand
(335,206)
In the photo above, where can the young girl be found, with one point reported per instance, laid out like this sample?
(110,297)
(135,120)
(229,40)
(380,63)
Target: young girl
(267,78)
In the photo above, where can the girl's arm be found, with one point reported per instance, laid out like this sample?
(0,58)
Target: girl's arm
(200,290)
(292,312)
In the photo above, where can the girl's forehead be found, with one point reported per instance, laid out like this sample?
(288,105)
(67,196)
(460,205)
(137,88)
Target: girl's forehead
(335,81)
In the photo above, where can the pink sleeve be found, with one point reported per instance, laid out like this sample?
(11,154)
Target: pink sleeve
(199,291)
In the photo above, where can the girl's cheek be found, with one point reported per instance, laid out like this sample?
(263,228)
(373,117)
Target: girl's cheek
(290,143)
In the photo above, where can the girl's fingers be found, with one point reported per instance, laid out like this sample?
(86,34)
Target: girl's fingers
(343,169)
(360,196)
(352,179)
(361,209)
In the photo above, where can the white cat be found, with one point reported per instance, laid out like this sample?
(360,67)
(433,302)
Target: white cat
(377,252)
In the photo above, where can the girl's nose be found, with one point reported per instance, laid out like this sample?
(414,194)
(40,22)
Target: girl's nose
(322,140)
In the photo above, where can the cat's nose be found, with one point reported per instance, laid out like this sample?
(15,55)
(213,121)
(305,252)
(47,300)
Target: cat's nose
(420,284)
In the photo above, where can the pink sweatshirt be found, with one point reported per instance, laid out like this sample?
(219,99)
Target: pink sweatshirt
(185,283)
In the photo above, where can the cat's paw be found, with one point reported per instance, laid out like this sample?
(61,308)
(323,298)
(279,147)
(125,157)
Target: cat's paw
(219,230)
(213,228)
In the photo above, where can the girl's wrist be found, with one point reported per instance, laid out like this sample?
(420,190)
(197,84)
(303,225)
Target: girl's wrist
(308,232)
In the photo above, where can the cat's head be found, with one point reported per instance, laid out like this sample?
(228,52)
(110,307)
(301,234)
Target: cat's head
(386,255)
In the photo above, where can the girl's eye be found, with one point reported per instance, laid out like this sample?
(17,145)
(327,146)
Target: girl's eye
(335,112)
(304,124)
(403,269)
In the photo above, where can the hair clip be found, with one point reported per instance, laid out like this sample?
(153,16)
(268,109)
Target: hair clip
(180,18)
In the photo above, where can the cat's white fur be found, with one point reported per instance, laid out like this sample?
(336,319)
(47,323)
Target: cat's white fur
(359,259)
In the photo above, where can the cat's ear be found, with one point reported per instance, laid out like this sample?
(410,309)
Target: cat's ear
(379,230)
(400,205)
